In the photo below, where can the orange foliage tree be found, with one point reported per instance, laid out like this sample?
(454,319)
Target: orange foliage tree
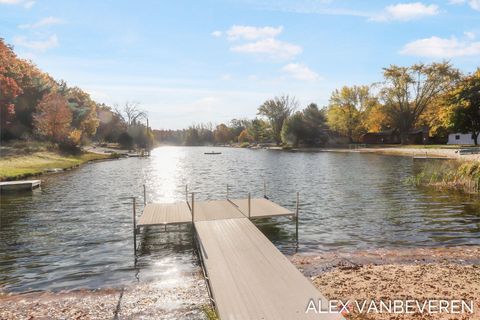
(53,117)
(244,136)
(222,134)
(9,89)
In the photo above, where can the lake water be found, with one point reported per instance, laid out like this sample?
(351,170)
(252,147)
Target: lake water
(76,231)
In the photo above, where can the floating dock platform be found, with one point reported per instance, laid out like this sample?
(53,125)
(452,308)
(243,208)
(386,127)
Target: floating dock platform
(19,185)
(247,276)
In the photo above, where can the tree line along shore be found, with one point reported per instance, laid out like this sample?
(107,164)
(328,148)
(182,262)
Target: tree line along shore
(52,122)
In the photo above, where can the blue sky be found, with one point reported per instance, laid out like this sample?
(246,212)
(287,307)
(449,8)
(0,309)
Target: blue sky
(210,61)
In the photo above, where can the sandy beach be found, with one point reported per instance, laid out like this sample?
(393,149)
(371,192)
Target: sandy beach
(406,274)
(448,153)
(186,300)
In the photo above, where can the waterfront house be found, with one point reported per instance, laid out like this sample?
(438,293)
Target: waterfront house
(392,136)
(460,138)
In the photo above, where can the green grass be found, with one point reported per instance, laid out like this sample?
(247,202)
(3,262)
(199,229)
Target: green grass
(14,167)
(210,312)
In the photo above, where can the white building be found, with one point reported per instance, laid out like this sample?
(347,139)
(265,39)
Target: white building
(460,138)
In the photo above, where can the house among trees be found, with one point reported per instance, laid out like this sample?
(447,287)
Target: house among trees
(461,138)
(392,136)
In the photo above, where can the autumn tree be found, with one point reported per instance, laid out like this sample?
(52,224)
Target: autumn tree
(438,117)
(408,91)
(222,134)
(277,110)
(9,88)
(53,117)
(346,109)
(84,111)
(244,137)
(22,86)
(466,99)
(375,119)
(237,126)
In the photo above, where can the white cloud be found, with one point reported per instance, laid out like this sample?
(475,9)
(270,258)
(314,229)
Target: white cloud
(29,4)
(474,4)
(406,12)
(37,45)
(26,4)
(260,41)
(470,35)
(300,71)
(271,48)
(48,21)
(253,33)
(436,47)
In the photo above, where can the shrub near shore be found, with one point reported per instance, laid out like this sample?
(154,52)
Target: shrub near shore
(455,175)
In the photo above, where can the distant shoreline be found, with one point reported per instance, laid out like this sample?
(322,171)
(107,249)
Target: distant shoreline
(420,151)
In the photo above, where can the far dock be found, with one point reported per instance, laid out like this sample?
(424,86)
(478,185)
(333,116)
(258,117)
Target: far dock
(19,185)
(247,276)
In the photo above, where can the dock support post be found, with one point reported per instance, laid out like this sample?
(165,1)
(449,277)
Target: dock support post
(134,227)
(186,193)
(144,195)
(265,189)
(296,217)
(249,204)
(193,207)
(228,188)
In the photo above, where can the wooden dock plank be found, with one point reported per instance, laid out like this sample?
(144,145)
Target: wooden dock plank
(249,277)
(261,208)
(162,214)
(215,209)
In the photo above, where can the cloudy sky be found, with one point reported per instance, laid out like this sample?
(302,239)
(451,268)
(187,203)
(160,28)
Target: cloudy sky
(210,61)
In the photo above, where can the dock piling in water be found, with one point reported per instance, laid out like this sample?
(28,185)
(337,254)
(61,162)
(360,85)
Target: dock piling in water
(144,194)
(193,207)
(265,189)
(249,205)
(134,226)
(296,217)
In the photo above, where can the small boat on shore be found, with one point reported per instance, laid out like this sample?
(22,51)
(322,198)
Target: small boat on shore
(213,152)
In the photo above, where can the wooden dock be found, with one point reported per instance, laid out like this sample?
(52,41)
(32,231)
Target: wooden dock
(155,214)
(248,277)
(19,185)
